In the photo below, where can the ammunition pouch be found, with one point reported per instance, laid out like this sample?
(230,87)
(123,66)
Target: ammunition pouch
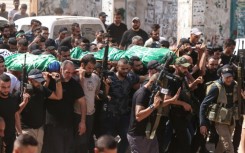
(219,114)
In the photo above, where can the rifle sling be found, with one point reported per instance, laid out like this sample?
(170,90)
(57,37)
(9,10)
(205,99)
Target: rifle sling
(150,133)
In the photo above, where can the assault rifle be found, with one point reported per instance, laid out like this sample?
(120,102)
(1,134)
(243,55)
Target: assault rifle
(240,80)
(24,86)
(105,71)
(23,78)
(159,86)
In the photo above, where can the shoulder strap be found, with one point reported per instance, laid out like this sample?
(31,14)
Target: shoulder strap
(210,84)
(159,114)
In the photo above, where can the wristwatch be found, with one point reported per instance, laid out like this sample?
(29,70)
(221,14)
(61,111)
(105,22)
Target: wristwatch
(151,107)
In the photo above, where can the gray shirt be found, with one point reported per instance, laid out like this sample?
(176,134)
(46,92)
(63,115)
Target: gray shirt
(19,16)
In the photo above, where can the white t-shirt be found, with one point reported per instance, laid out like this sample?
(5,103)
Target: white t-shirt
(90,87)
(15,83)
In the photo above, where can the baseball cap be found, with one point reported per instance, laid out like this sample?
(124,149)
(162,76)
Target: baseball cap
(196,31)
(36,75)
(227,71)
(102,14)
(50,44)
(182,61)
(136,19)
(153,65)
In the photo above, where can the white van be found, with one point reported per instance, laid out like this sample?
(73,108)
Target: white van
(3,21)
(89,25)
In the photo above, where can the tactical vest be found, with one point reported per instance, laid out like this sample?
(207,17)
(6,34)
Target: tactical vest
(222,99)
(217,111)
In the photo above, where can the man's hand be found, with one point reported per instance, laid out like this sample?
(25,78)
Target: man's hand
(81,73)
(204,131)
(26,97)
(243,94)
(157,100)
(55,76)
(176,96)
(81,128)
(200,48)
(199,80)
(107,81)
(187,107)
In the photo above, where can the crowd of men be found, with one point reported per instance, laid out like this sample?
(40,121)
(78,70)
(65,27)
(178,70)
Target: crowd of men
(66,110)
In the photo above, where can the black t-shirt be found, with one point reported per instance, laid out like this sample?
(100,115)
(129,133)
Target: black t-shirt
(116,32)
(200,92)
(194,56)
(184,95)
(142,98)
(33,115)
(60,112)
(227,59)
(8,108)
(120,93)
(128,35)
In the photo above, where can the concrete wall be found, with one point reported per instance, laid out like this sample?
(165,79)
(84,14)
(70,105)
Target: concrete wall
(176,17)
(217,21)
(240,12)
(184,18)
(212,17)
(108,8)
(163,12)
(70,7)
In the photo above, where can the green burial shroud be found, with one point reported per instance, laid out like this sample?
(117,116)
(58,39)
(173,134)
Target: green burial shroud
(15,62)
(144,53)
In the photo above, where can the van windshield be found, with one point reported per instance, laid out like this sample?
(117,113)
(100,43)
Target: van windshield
(25,27)
(87,30)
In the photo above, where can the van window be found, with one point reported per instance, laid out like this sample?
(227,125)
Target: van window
(89,30)
(58,27)
(25,27)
